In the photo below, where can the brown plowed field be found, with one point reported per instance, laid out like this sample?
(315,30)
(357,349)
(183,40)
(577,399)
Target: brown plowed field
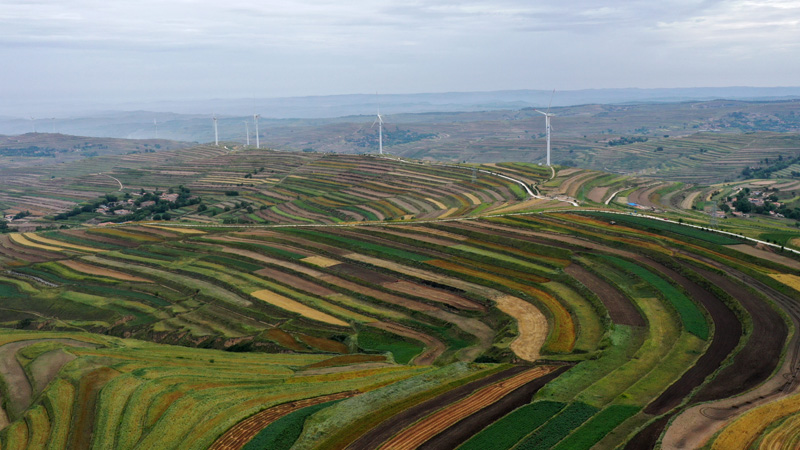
(759,357)
(415,435)
(295,282)
(101,271)
(619,307)
(597,194)
(459,433)
(373,438)
(244,431)
(436,295)
(727,332)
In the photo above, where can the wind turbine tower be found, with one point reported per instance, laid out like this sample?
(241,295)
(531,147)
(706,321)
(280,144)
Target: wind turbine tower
(216,132)
(247,132)
(547,116)
(379,121)
(155,125)
(255,118)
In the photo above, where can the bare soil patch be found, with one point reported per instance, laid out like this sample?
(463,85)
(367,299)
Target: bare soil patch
(619,307)
(20,392)
(295,282)
(435,295)
(766,254)
(597,194)
(45,368)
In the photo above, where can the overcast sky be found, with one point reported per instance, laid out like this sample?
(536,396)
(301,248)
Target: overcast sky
(120,50)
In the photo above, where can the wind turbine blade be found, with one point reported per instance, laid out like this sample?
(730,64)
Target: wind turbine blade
(551,100)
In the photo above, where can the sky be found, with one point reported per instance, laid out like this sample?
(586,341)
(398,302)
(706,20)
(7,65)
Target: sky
(108,51)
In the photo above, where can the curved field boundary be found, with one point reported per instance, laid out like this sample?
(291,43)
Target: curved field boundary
(373,438)
(19,387)
(466,428)
(727,332)
(100,271)
(241,433)
(744,431)
(785,436)
(412,437)
(753,366)
(531,326)
(23,241)
(620,309)
(296,307)
(43,240)
(433,347)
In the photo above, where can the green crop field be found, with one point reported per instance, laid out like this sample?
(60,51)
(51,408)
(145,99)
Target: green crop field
(316,301)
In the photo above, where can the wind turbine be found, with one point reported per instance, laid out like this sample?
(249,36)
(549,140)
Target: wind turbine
(33,124)
(379,121)
(547,116)
(155,125)
(216,132)
(255,119)
(247,132)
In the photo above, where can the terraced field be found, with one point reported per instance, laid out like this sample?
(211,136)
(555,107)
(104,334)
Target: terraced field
(385,304)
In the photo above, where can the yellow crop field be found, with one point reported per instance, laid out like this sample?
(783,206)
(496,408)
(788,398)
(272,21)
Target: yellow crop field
(296,307)
(43,240)
(475,200)
(320,261)
(438,204)
(21,240)
(793,281)
(531,326)
(181,230)
(744,431)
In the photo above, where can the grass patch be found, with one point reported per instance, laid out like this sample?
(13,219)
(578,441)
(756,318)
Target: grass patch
(691,316)
(511,428)
(402,350)
(558,427)
(282,434)
(597,427)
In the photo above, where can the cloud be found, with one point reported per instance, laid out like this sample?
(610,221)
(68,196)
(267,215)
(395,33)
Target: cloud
(233,47)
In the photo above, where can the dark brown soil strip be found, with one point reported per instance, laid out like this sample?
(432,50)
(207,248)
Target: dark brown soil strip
(619,307)
(463,430)
(373,438)
(756,361)
(647,438)
(727,332)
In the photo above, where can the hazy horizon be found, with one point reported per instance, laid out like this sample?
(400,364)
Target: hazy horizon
(84,53)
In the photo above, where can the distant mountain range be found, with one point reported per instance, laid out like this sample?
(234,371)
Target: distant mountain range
(180,119)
